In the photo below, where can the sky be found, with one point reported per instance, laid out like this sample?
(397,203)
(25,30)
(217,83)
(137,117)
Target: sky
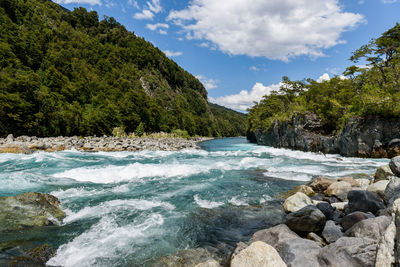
(240,49)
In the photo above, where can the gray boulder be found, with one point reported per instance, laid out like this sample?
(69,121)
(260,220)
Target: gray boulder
(258,254)
(185,258)
(351,219)
(365,201)
(300,252)
(349,251)
(392,190)
(275,235)
(331,232)
(372,228)
(326,209)
(306,220)
(394,165)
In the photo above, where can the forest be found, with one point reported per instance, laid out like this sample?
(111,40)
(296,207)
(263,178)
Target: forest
(68,73)
(371,86)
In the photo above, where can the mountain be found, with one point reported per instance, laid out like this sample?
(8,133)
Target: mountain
(357,114)
(67,73)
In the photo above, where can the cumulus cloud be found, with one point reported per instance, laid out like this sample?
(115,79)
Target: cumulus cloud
(89,2)
(274,29)
(156,26)
(169,53)
(245,99)
(208,83)
(389,1)
(152,7)
(324,77)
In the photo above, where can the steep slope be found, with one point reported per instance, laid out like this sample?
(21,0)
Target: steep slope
(67,73)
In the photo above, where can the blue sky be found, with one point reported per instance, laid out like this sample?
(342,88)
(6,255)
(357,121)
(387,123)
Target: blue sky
(240,49)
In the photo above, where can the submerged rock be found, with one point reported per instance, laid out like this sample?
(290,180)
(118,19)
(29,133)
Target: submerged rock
(34,257)
(296,202)
(306,220)
(185,258)
(258,254)
(29,210)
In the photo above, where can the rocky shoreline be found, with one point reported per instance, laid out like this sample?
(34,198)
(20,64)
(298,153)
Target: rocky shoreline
(29,144)
(370,137)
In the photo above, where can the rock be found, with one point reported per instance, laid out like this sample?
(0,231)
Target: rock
(351,219)
(331,232)
(239,247)
(209,263)
(331,199)
(296,202)
(394,165)
(364,183)
(301,188)
(185,258)
(372,228)
(340,205)
(378,187)
(258,254)
(29,210)
(316,238)
(392,190)
(339,189)
(326,209)
(383,173)
(275,235)
(320,184)
(385,251)
(306,220)
(33,257)
(353,182)
(10,138)
(365,201)
(349,251)
(300,252)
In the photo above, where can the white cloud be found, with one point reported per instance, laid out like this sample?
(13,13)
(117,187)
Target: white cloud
(245,99)
(389,1)
(89,2)
(169,53)
(145,14)
(254,68)
(163,32)
(153,7)
(208,83)
(156,26)
(324,77)
(275,29)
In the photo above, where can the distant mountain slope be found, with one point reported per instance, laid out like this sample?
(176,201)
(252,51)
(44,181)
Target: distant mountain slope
(67,73)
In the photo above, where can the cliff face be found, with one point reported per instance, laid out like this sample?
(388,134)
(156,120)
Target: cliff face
(374,137)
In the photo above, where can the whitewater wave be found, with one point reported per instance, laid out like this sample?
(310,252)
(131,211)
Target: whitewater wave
(206,203)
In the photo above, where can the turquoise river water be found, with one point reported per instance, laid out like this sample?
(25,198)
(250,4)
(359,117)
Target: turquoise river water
(131,208)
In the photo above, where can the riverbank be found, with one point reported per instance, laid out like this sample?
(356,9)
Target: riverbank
(29,144)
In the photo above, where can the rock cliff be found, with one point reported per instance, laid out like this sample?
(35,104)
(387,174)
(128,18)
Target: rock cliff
(373,136)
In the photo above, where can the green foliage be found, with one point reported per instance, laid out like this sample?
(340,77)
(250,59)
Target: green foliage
(67,73)
(370,90)
(140,130)
(119,132)
(180,133)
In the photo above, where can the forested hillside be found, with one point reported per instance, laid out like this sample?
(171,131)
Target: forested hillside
(370,87)
(67,73)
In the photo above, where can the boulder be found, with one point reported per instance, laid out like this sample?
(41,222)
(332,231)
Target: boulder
(331,232)
(364,183)
(300,252)
(385,251)
(392,190)
(301,188)
(296,202)
(321,183)
(185,258)
(306,220)
(394,165)
(351,219)
(326,209)
(209,263)
(29,210)
(258,254)
(365,201)
(383,173)
(239,247)
(378,187)
(372,228)
(339,189)
(340,205)
(353,182)
(275,235)
(316,238)
(349,251)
